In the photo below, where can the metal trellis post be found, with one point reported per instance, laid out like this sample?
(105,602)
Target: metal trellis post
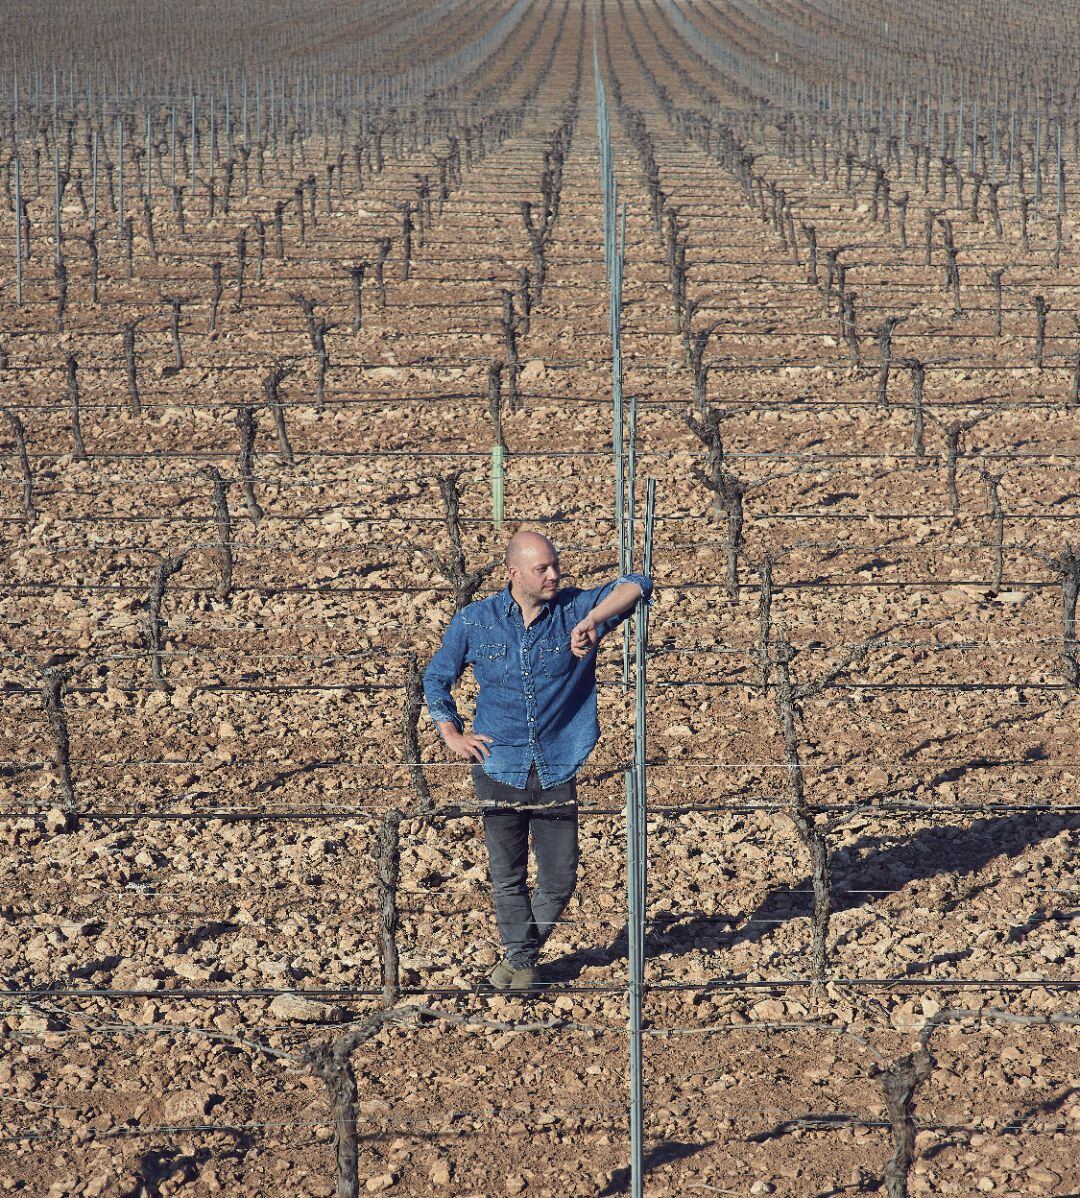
(18,234)
(637,874)
(633,924)
(497,477)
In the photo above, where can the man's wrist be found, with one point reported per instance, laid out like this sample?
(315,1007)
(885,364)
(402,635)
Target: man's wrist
(612,606)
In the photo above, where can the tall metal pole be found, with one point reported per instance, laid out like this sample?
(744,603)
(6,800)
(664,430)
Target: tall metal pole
(628,563)
(634,785)
(56,201)
(18,233)
(633,927)
(193,141)
(498,465)
(637,873)
(641,627)
(120,169)
(94,181)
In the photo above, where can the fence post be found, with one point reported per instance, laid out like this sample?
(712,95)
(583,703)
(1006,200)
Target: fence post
(627,563)
(18,232)
(633,928)
(637,871)
(120,170)
(497,480)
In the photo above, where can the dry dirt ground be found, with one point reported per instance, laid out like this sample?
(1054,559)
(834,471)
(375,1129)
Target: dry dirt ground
(192,940)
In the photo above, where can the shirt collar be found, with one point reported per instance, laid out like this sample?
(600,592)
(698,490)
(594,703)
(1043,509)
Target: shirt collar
(509,602)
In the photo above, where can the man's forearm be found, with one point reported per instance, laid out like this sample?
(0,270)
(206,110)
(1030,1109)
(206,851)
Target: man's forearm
(446,727)
(621,599)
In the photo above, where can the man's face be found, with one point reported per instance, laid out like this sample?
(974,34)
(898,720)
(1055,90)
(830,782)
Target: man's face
(536,576)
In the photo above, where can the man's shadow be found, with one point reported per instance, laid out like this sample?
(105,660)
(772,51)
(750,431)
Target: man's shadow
(664,1153)
(882,869)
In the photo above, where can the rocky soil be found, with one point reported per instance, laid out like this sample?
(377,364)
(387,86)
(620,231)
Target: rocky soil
(211,912)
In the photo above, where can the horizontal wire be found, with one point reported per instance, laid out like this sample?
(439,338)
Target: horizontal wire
(791,407)
(713,985)
(779,806)
(326,894)
(403,1125)
(898,553)
(482,455)
(946,687)
(253,656)
(251,815)
(20,589)
(659,928)
(333,623)
(972,761)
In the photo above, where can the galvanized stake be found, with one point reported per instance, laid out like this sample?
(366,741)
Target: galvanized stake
(94,182)
(120,184)
(633,925)
(641,628)
(497,477)
(637,873)
(628,563)
(18,235)
(56,202)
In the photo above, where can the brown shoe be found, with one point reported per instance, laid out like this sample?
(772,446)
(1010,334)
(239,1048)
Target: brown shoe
(505,977)
(523,979)
(502,975)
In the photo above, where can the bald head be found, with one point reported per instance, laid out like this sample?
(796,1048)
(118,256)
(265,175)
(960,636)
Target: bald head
(533,565)
(525,545)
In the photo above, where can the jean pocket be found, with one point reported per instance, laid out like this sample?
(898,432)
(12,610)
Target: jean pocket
(491,663)
(555,657)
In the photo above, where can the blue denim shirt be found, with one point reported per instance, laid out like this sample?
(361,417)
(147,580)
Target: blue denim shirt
(537,701)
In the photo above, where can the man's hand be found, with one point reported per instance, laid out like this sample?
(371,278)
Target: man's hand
(583,638)
(473,745)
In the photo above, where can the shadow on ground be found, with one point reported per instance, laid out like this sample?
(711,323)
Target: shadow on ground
(868,872)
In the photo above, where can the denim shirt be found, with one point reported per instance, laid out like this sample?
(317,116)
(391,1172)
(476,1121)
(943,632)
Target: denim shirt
(537,701)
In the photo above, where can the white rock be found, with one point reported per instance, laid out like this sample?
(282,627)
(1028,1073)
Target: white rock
(58,820)
(304,1010)
(533,370)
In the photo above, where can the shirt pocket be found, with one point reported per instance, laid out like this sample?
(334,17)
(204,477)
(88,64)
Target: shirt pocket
(491,663)
(555,656)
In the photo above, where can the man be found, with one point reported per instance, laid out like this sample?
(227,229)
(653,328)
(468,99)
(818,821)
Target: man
(532,648)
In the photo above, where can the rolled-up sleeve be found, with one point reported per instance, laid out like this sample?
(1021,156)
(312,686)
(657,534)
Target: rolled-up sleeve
(443,672)
(587,600)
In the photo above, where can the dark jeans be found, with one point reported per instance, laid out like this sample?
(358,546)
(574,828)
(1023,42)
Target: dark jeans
(525,920)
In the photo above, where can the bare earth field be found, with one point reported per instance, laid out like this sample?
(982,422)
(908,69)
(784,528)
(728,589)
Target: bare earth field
(210,910)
